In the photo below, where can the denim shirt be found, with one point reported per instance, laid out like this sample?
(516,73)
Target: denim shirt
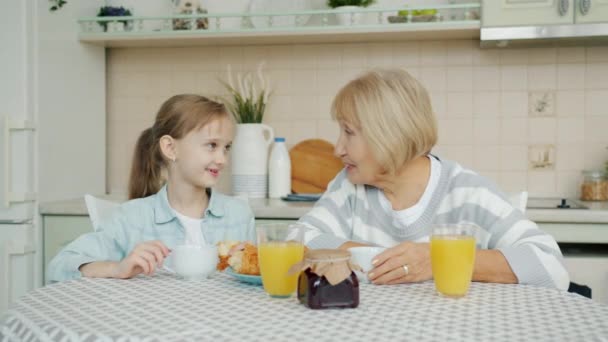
(151,218)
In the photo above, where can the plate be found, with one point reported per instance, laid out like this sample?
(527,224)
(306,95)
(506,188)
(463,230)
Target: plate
(246,278)
(279,6)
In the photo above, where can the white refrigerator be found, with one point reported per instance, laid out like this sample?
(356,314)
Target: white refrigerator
(52,128)
(17,154)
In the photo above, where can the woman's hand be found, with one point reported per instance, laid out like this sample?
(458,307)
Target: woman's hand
(388,265)
(144,258)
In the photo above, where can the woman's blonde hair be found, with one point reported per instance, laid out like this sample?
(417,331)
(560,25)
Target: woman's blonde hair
(176,117)
(394,113)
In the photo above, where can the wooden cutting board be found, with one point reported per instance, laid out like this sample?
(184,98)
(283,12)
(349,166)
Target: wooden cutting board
(313,166)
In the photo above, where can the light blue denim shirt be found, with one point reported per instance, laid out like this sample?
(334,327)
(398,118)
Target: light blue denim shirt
(151,218)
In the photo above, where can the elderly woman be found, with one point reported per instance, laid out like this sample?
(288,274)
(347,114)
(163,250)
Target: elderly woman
(393,190)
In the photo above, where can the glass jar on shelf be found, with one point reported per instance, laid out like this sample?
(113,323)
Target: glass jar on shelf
(594,186)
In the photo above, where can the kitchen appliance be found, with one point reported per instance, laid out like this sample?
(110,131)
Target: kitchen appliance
(554,203)
(17,155)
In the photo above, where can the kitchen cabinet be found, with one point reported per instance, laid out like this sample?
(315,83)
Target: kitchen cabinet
(17,262)
(576,232)
(543,12)
(526,12)
(591,11)
(585,250)
(588,265)
(58,231)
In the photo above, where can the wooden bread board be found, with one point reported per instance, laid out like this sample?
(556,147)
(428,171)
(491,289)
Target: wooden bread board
(313,166)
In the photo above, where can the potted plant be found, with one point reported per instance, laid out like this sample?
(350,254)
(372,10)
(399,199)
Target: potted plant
(56,4)
(111,11)
(248,97)
(350,17)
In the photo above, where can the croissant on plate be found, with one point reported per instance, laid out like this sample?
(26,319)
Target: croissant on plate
(241,256)
(224,249)
(245,261)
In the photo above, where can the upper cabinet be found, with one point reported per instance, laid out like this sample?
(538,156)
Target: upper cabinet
(591,11)
(526,12)
(497,13)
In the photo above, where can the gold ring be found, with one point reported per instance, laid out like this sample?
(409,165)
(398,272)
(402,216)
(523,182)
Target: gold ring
(406,269)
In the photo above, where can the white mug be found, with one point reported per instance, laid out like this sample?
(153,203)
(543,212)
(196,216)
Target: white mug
(363,256)
(194,262)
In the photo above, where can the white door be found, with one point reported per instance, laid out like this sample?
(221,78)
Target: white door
(16,112)
(591,11)
(17,256)
(526,12)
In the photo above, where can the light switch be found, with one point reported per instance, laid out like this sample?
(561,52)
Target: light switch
(541,157)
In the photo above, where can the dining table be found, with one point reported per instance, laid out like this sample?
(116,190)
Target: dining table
(163,307)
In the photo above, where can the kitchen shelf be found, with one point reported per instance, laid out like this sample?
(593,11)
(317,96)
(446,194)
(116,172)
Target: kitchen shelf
(454,21)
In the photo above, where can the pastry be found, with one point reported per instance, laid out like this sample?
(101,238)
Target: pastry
(245,260)
(224,249)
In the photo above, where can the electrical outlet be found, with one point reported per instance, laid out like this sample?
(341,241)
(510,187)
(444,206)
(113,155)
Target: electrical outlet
(541,157)
(541,103)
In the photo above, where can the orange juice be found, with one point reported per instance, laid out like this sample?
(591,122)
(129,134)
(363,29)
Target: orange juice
(275,260)
(452,260)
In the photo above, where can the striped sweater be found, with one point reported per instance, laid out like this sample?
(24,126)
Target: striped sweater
(348,212)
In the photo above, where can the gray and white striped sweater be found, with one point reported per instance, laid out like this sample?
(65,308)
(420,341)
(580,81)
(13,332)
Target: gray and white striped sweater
(348,212)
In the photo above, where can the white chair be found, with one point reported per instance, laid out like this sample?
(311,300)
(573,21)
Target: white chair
(98,209)
(519,200)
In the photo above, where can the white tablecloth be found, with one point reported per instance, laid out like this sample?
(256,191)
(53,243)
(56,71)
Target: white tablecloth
(163,308)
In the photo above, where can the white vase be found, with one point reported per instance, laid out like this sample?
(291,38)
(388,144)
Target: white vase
(348,18)
(250,160)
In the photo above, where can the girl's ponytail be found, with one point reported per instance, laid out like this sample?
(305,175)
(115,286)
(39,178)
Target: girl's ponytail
(146,168)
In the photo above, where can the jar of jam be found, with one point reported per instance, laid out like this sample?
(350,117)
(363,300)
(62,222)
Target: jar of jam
(328,280)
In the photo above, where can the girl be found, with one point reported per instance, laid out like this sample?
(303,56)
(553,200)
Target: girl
(189,142)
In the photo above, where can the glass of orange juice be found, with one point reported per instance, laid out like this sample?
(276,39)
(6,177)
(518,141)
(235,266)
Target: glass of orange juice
(453,258)
(278,250)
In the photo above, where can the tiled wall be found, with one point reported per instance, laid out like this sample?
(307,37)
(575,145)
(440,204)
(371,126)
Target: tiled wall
(528,118)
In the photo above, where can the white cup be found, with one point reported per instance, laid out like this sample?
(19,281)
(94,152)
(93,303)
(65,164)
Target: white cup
(363,256)
(193,262)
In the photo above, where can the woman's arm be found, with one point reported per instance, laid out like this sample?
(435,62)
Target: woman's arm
(350,244)
(491,266)
(329,223)
(533,255)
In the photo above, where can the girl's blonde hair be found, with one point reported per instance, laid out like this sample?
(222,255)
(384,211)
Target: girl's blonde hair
(177,117)
(394,113)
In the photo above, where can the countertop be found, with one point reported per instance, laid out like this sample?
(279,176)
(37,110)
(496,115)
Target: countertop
(265,208)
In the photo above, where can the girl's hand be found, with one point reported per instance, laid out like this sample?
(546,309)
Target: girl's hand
(144,258)
(388,265)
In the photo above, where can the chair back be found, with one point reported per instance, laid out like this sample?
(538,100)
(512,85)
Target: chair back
(519,200)
(98,209)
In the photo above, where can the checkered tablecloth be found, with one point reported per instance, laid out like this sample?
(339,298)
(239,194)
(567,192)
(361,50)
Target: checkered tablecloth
(164,308)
